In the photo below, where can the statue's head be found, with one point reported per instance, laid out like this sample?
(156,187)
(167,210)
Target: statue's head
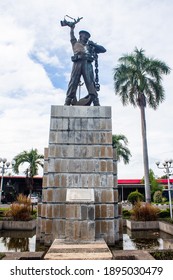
(84,36)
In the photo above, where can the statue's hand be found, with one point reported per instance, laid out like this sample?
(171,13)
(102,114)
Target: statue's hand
(72,26)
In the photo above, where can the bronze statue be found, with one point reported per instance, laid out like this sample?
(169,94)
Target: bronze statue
(85,52)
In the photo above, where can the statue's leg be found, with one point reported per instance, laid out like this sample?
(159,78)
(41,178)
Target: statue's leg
(96,101)
(73,84)
(88,75)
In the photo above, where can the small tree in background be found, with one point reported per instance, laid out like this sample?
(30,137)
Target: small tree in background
(157,197)
(120,143)
(154,185)
(135,196)
(33,159)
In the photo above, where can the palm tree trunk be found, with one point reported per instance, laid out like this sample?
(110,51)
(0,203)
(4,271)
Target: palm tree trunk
(145,155)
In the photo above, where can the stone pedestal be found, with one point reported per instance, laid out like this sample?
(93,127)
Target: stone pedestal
(80,197)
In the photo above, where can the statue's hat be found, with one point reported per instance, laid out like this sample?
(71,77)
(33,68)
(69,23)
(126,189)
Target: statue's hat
(85,32)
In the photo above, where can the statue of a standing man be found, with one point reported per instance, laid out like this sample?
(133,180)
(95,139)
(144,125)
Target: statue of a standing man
(84,54)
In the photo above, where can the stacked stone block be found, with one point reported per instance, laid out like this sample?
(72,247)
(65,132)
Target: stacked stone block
(79,156)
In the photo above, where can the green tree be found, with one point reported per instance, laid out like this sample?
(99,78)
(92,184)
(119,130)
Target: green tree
(157,197)
(33,159)
(120,142)
(138,81)
(154,185)
(135,196)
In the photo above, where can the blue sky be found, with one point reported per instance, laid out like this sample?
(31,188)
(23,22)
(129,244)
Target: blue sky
(35,67)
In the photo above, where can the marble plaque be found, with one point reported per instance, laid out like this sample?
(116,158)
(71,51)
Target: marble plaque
(80,195)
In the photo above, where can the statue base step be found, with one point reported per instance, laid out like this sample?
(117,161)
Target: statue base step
(63,250)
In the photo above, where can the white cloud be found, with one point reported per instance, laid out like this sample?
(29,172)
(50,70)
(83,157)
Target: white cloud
(31,29)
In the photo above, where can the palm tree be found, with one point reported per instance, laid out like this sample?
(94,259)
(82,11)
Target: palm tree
(138,81)
(120,142)
(33,159)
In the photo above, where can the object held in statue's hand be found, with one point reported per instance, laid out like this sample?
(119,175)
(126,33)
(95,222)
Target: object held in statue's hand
(70,23)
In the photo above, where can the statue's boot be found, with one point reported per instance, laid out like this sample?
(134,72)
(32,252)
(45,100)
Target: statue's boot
(85,101)
(68,101)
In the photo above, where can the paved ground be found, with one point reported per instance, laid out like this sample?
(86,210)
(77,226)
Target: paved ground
(131,255)
(24,256)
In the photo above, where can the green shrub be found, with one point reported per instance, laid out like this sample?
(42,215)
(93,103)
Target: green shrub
(34,214)
(126,214)
(2,255)
(164,199)
(144,212)
(168,220)
(135,196)
(3,212)
(163,255)
(157,197)
(164,213)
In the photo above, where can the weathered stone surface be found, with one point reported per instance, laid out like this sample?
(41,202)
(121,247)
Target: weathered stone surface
(81,111)
(116,195)
(59,211)
(140,225)
(131,255)
(45,181)
(48,229)
(81,230)
(18,225)
(24,255)
(80,160)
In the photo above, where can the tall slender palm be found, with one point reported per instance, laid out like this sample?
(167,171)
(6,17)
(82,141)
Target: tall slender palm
(138,81)
(33,159)
(120,142)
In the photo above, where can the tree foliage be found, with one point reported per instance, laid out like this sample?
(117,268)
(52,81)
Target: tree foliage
(135,196)
(154,185)
(138,81)
(120,143)
(157,197)
(33,160)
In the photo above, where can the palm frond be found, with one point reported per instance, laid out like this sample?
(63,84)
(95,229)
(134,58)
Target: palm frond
(137,74)
(32,158)
(120,142)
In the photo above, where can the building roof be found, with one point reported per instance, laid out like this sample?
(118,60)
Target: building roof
(139,181)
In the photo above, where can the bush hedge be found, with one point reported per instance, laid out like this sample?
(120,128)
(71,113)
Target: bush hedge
(135,196)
